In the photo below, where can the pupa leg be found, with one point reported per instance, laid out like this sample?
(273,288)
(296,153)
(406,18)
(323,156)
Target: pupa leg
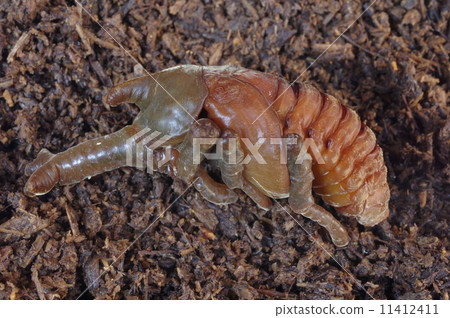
(300,196)
(231,169)
(200,138)
(262,200)
(213,191)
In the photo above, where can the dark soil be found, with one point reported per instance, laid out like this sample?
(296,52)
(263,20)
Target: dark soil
(392,67)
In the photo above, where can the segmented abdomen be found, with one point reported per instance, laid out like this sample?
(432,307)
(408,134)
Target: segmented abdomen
(353,178)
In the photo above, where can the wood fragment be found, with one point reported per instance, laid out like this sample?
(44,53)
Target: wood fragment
(84,39)
(21,42)
(37,283)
